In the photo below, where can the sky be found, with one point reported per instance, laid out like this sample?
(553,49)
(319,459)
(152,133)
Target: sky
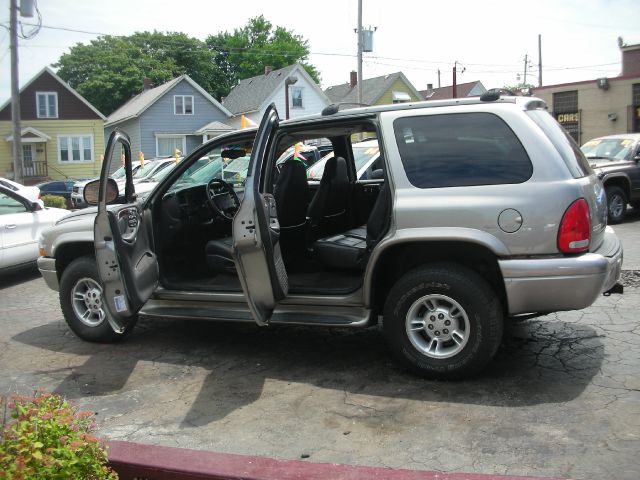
(489,39)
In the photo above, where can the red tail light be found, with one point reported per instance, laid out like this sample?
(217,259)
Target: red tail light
(574,234)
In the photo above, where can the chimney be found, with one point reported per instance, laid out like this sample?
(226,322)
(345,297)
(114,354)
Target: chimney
(268,69)
(353,79)
(429,86)
(146,84)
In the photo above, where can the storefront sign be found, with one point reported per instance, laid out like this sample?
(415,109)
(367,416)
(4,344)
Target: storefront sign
(564,118)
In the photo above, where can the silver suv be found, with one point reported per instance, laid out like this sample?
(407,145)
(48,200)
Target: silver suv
(485,210)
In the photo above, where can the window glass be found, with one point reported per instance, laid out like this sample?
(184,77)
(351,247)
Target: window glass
(75,149)
(64,149)
(10,205)
(86,145)
(178,104)
(296,97)
(615,149)
(42,105)
(573,158)
(53,107)
(168,145)
(461,149)
(364,153)
(188,105)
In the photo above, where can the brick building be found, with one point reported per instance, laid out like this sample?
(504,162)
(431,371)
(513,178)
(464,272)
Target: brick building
(603,106)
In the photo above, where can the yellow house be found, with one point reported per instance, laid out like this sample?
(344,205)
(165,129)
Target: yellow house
(62,133)
(392,88)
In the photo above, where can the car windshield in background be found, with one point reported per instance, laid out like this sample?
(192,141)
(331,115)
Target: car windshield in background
(615,149)
(363,153)
(212,168)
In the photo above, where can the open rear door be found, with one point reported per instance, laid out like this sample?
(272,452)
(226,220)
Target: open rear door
(256,232)
(126,262)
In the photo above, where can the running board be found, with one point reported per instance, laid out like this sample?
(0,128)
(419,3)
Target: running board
(352,317)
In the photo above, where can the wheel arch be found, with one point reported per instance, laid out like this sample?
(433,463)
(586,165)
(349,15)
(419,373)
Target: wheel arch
(618,180)
(397,259)
(67,252)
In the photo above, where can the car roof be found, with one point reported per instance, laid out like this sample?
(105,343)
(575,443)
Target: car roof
(632,136)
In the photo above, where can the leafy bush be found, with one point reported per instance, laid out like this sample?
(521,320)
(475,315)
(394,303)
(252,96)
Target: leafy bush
(49,438)
(54,201)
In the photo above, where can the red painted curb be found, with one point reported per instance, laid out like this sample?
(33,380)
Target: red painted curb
(150,462)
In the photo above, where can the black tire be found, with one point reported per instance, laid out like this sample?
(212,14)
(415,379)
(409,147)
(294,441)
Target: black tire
(478,322)
(84,269)
(616,204)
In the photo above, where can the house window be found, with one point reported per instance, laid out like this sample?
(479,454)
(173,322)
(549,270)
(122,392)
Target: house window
(166,145)
(400,97)
(183,104)
(47,104)
(296,97)
(75,148)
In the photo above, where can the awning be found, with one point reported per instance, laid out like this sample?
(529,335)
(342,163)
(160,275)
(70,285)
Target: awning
(30,135)
(398,97)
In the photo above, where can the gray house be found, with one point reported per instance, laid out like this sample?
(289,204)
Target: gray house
(175,115)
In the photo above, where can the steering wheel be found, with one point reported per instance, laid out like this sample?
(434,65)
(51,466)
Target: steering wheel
(222,198)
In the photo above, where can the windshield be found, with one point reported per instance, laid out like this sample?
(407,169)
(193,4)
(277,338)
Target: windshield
(119,173)
(363,153)
(147,169)
(211,168)
(614,149)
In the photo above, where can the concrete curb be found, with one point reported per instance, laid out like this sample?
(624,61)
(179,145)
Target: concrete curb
(150,462)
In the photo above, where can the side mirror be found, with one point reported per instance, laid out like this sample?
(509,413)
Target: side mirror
(35,206)
(92,191)
(637,158)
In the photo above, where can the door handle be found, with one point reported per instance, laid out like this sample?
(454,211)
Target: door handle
(10,226)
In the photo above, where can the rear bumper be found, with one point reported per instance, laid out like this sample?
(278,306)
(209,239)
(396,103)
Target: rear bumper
(47,267)
(565,283)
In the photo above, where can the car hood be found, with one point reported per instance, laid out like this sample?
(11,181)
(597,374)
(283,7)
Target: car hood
(84,214)
(603,164)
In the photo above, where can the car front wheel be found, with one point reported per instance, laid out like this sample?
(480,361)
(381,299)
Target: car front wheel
(616,204)
(82,303)
(443,321)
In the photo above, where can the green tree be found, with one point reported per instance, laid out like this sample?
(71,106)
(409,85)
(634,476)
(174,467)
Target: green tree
(110,70)
(245,52)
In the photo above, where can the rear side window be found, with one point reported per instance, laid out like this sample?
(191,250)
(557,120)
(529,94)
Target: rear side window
(566,146)
(461,149)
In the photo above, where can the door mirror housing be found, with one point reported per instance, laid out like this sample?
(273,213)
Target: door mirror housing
(92,191)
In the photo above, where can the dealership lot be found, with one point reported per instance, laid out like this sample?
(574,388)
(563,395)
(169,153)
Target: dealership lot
(562,397)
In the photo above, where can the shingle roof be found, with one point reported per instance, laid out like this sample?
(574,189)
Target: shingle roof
(372,89)
(214,126)
(443,93)
(251,93)
(144,100)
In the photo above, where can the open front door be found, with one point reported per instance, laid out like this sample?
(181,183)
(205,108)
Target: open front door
(256,232)
(126,262)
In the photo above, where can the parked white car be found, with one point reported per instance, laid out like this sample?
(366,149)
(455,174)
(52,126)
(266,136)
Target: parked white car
(21,222)
(31,193)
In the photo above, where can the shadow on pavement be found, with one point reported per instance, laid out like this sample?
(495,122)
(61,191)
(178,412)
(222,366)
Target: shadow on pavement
(540,361)
(17,276)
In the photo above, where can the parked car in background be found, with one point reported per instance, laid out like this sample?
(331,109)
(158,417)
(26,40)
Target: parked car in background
(59,188)
(77,197)
(21,223)
(366,156)
(32,193)
(615,159)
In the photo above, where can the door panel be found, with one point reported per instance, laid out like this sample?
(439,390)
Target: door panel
(127,264)
(256,233)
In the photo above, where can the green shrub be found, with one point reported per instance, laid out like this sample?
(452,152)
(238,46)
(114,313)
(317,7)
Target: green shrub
(49,438)
(54,201)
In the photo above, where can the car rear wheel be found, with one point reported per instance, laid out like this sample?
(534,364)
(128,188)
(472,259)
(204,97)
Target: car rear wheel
(443,321)
(82,305)
(616,204)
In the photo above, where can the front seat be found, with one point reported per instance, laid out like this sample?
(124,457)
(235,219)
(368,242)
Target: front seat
(350,249)
(291,192)
(328,208)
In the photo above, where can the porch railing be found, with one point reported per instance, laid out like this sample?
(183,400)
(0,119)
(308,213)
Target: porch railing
(35,169)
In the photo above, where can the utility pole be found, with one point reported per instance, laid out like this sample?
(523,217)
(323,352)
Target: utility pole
(526,61)
(455,84)
(539,60)
(438,78)
(15,92)
(359,86)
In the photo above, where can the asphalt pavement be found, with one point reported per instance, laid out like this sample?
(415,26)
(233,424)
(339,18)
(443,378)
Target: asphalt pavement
(561,398)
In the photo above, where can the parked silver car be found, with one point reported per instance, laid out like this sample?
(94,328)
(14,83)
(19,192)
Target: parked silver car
(485,210)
